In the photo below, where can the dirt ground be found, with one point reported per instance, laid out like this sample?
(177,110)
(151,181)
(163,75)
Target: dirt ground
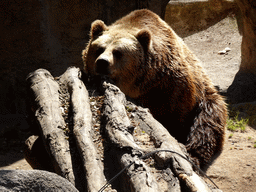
(235,168)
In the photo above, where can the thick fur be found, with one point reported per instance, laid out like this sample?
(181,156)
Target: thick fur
(149,62)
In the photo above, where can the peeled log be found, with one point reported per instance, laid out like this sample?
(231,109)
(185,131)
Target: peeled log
(181,167)
(163,140)
(139,175)
(48,114)
(118,123)
(82,117)
(117,128)
(128,132)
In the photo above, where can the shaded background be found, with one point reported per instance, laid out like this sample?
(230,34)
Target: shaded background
(51,34)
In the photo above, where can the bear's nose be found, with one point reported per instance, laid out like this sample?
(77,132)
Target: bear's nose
(102,66)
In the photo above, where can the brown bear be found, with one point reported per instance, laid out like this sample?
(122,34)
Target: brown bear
(149,62)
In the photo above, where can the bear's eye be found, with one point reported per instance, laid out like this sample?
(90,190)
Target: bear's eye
(117,54)
(99,51)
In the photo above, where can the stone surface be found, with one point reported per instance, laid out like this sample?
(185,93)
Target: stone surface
(33,180)
(243,88)
(248,10)
(191,16)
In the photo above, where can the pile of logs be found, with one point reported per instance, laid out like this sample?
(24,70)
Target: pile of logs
(88,138)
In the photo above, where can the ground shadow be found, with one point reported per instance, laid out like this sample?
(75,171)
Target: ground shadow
(243,88)
(13,133)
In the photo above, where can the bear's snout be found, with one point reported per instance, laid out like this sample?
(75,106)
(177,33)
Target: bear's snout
(102,66)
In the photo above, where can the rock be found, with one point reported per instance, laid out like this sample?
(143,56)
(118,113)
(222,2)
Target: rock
(248,10)
(190,16)
(243,88)
(224,51)
(33,180)
(227,49)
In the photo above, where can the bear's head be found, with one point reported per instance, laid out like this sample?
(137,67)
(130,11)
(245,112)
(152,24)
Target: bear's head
(119,53)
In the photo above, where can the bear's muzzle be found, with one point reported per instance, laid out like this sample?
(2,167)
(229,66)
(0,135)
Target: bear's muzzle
(102,66)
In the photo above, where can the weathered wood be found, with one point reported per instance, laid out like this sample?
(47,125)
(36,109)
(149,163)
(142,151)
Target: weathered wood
(48,114)
(118,123)
(82,120)
(181,167)
(139,175)
(117,128)
(126,126)
(163,140)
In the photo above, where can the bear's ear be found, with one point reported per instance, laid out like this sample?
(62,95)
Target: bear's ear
(144,37)
(97,28)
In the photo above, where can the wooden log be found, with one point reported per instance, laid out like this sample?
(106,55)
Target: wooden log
(163,172)
(181,167)
(117,128)
(36,154)
(118,123)
(163,140)
(82,120)
(139,175)
(48,115)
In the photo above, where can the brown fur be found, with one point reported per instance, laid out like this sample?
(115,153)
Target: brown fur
(149,62)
